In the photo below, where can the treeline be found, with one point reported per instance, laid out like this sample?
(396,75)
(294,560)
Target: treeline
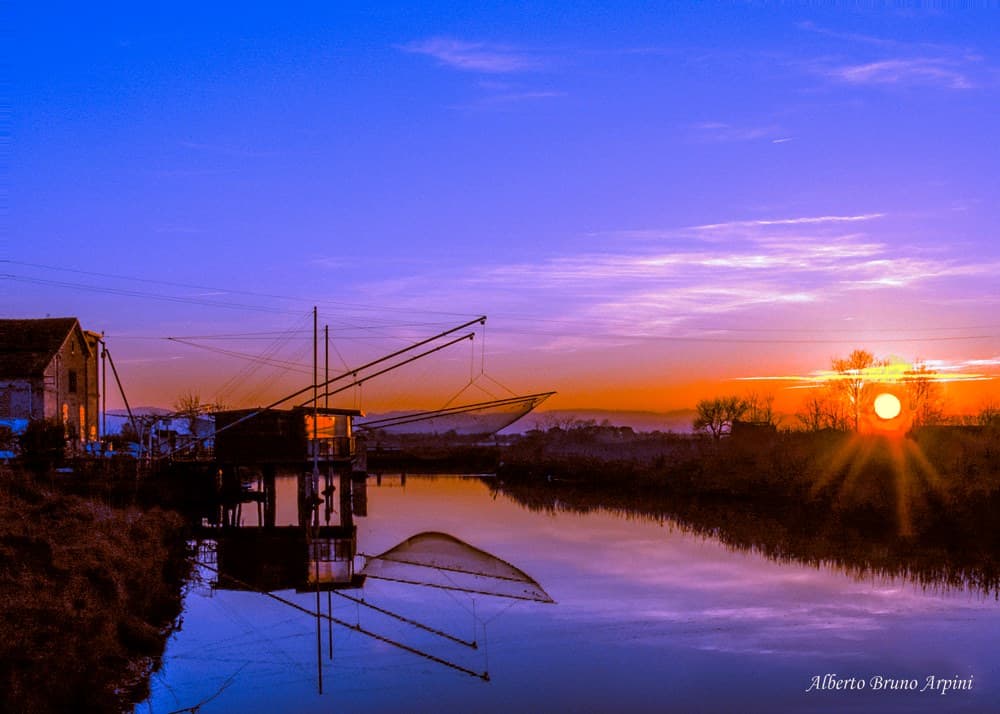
(842,397)
(809,535)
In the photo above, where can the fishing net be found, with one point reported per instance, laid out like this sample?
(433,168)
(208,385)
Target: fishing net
(443,561)
(482,419)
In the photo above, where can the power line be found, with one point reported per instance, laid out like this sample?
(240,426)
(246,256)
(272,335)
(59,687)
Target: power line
(585,329)
(586,326)
(271,296)
(139,294)
(738,340)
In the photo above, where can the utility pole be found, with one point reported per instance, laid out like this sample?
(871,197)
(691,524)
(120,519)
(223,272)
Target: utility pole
(104,387)
(315,480)
(121,390)
(315,398)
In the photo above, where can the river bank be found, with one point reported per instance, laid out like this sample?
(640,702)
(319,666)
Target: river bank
(923,508)
(91,589)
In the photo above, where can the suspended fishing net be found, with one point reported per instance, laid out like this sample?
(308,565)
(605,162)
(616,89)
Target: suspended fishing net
(439,560)
(482,419)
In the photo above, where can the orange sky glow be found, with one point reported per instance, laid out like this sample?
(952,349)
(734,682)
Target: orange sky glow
(827,184)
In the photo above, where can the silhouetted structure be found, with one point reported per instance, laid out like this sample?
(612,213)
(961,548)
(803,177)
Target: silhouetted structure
(283,436)
(757,431)
(48,370)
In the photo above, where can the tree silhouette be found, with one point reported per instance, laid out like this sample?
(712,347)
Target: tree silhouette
(924,395)
(853,383)
(760,408)
(716,416)
(191,407)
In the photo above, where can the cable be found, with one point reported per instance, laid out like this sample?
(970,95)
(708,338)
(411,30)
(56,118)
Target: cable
(500,384)
(408,621)
(293,366)
(737,340)
(152,281)
(482,362)
(151,296)
(355,628)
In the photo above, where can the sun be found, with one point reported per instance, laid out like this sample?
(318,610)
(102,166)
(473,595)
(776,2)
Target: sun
(887,406)
(886,411)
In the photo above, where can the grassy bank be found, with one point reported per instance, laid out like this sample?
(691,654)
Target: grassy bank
(923,507)
(917,479)
(430,458)
(89,591)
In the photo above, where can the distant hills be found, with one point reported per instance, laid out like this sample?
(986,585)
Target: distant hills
(678,420)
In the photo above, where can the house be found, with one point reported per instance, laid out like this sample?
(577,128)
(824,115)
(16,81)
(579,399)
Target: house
(753,431)
(48,370)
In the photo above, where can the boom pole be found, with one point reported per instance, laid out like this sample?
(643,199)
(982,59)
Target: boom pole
(481,320)
(359,382)
(354,371)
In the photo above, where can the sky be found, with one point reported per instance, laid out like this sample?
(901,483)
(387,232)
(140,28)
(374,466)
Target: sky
(648,203)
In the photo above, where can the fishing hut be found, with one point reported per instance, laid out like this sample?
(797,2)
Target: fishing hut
(252,448)
(286,437)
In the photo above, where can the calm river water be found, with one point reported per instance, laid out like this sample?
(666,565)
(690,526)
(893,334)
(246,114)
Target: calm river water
(647,617)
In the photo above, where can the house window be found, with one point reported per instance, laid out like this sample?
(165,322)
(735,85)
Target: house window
(72,381)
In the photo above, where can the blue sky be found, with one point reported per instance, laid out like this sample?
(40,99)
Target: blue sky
(645,201)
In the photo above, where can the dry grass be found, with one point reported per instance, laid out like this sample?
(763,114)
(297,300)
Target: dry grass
(88,595)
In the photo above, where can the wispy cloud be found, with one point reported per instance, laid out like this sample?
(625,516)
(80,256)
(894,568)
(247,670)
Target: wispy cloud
(892,62)
(904,72)
(649,291)
(666,283)
(332,262)
(802,220)
(473,56)
(896,272)
(940,365)
(515,97)
(722,132)
(658,235)
(873,40)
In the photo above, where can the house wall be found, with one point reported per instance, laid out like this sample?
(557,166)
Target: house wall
(20,398)
(70,387)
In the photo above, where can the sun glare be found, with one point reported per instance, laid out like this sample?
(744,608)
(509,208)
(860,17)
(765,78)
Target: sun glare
(887,406)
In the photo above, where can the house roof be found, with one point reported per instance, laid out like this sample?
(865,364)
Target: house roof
(27,346)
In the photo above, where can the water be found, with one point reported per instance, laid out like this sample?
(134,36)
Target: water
(648,617)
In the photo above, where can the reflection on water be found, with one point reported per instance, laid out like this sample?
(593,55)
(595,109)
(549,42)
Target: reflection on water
(941,560)
(651,616)
(439,560)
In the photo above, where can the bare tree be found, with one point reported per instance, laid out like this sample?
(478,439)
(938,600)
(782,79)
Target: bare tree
(853,381)
(562,422)
(924,395)
(189,405)
(824,410)
(814,413)
(989,414)
(716,416)
(760,408)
